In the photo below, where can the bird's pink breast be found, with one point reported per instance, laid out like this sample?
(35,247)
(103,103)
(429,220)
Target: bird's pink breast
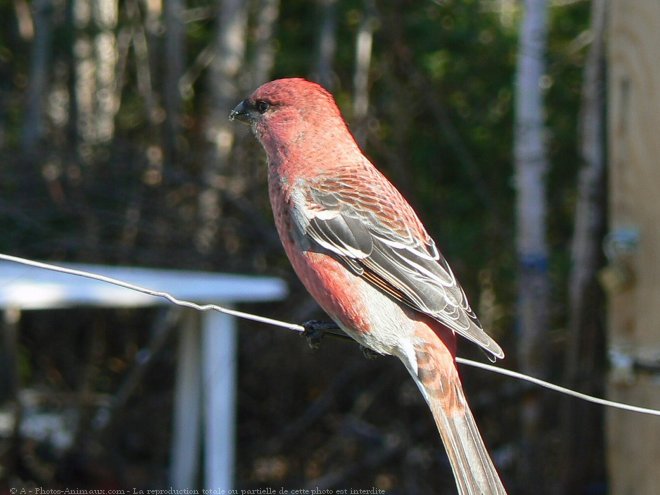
(335,288)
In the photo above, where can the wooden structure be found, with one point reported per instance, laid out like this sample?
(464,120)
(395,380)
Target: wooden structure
(204,409)
(633,246)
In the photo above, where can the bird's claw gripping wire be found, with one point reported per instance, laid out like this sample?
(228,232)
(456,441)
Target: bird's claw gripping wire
(315,330)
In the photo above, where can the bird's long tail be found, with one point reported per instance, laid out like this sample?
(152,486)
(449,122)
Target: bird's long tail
(438,379)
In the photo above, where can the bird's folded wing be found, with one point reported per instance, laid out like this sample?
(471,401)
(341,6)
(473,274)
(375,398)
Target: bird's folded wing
(377,235)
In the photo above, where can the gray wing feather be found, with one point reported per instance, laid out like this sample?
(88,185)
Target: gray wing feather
(413,272)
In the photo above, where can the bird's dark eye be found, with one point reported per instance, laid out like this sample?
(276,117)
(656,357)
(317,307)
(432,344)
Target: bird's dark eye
(262,106)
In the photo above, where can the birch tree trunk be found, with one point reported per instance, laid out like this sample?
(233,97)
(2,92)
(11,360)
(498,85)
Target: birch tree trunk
(585,331)
(223,74)
(531,164)
(363,52)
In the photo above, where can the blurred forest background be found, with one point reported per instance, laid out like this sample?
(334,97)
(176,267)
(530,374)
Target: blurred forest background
(115,148)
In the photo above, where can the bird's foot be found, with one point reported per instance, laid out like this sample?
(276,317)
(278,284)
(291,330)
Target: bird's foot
(315,330)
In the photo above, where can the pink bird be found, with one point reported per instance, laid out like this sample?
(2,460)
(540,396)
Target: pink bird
(361,251)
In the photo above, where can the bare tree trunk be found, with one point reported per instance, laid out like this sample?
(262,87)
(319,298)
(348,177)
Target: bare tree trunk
(96,70)
(84,78)
(363,51)
(106,56)
(174,65)
(327,44)
(531,164)
(264,47)
(137,36)
(95,57)
(223,75)
(585,330)
(33,124)
(140,45)
(25,25)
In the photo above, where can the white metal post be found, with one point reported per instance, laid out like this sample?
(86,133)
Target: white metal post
(219,340)
(187,406)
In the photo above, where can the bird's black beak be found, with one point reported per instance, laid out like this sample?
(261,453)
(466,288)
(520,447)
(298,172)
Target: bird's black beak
(244,112)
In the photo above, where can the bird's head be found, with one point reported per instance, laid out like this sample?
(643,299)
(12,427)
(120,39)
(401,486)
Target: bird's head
(283,112)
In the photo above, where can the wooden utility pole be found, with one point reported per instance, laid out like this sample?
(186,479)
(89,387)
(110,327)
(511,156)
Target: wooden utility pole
(633,244)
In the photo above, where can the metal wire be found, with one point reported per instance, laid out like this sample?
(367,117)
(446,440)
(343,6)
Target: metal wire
(299,328)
